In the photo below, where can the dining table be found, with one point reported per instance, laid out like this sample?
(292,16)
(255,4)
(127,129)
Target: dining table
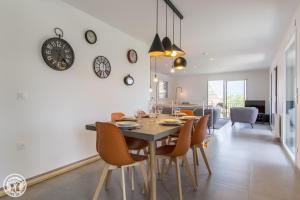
(151,130)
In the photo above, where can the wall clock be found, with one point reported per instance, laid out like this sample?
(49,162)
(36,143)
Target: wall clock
(58,53)
(90,36)
(128,80)
(102,67)
(132,56)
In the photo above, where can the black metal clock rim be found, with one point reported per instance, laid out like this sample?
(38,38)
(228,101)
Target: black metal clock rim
(95,70)
(45,60)
(86,38)
(126,80)
(128,57)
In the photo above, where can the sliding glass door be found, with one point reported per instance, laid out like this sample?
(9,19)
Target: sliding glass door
(289,136)
(235,94)
(226,94)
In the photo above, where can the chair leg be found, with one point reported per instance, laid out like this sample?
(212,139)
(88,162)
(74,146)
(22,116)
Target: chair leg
(101,181)
(178,178)
(163,166)
(189,172)
(144,174)
(205,159)
(197,157)
(232,124)
(132,177)
(251,125)
(107,181)
(170,165)
(123,183)
(195,164)
(158,168)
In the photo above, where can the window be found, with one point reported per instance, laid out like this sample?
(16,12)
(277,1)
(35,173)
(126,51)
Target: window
(163,89)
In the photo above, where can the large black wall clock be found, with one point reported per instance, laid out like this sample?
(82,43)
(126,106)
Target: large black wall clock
(132,56)
(58,53)
(102,67)
(128,80)
(90,36)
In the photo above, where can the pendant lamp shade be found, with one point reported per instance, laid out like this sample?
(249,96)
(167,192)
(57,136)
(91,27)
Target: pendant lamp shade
(180,63)
(176,51)
(167,44)
(156,48)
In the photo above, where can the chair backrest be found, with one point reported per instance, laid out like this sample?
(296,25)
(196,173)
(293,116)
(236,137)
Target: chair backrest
(200,131)
(188,112)
(116,116)
(111,145)
(184,140)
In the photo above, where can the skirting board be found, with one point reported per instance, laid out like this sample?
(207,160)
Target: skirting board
(56,172)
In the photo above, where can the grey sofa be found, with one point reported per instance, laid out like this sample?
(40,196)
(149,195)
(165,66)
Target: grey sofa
(243,115)
(198,111)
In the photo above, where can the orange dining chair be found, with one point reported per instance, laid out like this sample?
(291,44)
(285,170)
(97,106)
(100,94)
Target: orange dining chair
(187,112)
(176,152)
(116,116)
(112,148)
(198,138)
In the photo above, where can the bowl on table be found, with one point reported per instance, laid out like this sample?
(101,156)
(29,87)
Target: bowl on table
(170,122)
(127,124)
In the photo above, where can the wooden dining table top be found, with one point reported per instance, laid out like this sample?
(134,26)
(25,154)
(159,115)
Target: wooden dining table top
(149,129)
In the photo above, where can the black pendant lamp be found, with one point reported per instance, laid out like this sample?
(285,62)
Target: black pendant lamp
(180,62)
(167,44)
(156,48)
(177,51)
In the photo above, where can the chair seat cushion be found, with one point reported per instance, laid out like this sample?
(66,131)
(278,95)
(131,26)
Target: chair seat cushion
(165,150)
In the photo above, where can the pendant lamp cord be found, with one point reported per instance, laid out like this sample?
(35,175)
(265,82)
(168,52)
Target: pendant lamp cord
(180,34)
(156,16)
(173,27)
(150,70)
(166,20)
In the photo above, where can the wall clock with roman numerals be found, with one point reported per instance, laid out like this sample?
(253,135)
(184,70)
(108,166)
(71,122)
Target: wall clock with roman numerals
(102,67)
(58,53)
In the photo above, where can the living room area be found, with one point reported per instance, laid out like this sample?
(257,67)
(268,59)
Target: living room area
(241,96)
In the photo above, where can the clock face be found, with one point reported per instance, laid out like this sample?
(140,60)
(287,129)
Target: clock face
(102,67)
(128,80)
(58,54)
(132,56)
(91,37)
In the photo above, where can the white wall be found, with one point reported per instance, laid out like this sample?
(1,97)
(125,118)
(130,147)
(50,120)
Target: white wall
(279,61)
(195,86)
(51,118)
(171,87)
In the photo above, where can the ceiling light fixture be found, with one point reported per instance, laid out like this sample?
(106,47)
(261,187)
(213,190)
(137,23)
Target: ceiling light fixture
(180,62)
(166,42)
(156,48)
(176,51)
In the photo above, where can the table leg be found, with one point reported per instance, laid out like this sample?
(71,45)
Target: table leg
(152,147)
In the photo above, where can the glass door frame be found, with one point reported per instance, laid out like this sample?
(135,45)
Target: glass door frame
(293,39)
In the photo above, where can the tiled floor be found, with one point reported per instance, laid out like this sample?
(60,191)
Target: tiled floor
(247,164)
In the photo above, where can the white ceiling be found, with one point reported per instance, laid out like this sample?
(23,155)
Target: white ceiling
(238,34)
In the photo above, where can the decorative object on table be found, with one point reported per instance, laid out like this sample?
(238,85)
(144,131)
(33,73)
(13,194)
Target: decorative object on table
(132,56)
(102,67)
(58,53)
(128,80)
(90,36)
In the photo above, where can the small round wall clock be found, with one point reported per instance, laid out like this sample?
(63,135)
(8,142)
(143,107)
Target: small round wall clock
(132,56)
(90,36)
(102,67)
(58,53)
(128,80)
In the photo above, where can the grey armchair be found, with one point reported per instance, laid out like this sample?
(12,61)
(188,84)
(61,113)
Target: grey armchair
(243,115)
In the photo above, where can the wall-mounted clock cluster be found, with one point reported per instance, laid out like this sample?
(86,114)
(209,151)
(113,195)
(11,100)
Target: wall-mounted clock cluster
(59,55)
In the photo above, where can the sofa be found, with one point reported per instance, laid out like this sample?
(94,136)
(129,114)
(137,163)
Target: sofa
(198,111)
(243,115)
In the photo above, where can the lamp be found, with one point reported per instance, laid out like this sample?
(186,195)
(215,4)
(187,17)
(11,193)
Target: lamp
(155,79)
(156,48)
(180,63)
(167,44)
(176,51)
